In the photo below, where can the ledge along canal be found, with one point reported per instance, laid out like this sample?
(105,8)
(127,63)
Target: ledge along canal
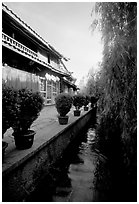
(81,175)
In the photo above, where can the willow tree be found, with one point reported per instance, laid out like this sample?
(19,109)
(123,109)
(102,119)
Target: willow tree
(93,87)
(118,112)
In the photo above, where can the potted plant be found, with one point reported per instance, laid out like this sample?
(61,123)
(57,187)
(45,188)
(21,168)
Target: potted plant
(9,108)
(85,103)
(63,103)
(29,106)
(93,101)
(78,103)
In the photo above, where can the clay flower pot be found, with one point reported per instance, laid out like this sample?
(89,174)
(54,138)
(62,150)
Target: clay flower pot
(63,120)
(77,112)
(85,108)
(24,141)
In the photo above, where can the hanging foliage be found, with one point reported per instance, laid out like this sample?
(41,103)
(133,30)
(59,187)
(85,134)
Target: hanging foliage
(117,21)
(118,79)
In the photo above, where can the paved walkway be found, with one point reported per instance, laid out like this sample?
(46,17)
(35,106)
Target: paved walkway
(46,127)
(47,117)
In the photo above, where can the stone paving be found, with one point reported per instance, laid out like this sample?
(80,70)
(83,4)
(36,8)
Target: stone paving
(47,117)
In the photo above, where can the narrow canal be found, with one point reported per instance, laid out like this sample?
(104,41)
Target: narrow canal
(76,178)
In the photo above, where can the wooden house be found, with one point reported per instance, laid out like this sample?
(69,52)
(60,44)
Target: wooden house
(30,61)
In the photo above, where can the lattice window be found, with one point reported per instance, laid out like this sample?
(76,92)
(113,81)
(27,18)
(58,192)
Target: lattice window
(42,84)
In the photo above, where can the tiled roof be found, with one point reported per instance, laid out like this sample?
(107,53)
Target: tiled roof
(27,27)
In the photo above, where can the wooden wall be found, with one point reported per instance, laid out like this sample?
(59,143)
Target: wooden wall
(20,79)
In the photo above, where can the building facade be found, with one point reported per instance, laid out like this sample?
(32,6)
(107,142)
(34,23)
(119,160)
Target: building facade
(29,61)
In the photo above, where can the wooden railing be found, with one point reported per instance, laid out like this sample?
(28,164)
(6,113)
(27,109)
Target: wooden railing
(23,49)
(18,46)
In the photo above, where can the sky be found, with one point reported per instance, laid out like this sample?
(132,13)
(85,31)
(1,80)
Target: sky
(67,27)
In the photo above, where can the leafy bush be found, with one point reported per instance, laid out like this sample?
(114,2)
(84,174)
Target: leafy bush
(9,107)
(29,105)
(86,100)
(78,101)
(63,103)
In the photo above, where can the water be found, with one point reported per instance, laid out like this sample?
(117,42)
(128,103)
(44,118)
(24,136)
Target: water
(73,178)
(79,172)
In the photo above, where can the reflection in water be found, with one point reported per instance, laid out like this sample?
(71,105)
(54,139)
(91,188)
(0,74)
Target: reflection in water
(80,173)
(73,178)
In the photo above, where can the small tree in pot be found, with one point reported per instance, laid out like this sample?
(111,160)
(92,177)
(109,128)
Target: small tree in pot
(29,106)
(63,103)
(78,103)
(93,101)
(85,103)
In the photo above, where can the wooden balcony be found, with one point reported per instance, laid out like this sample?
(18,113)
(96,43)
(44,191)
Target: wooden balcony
(25,51)
(17,45)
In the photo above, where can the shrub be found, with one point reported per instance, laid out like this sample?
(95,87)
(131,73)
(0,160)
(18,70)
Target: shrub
(93,101)
(78,101)
(29,105)
(9,107)
(63,103)
(86,100)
